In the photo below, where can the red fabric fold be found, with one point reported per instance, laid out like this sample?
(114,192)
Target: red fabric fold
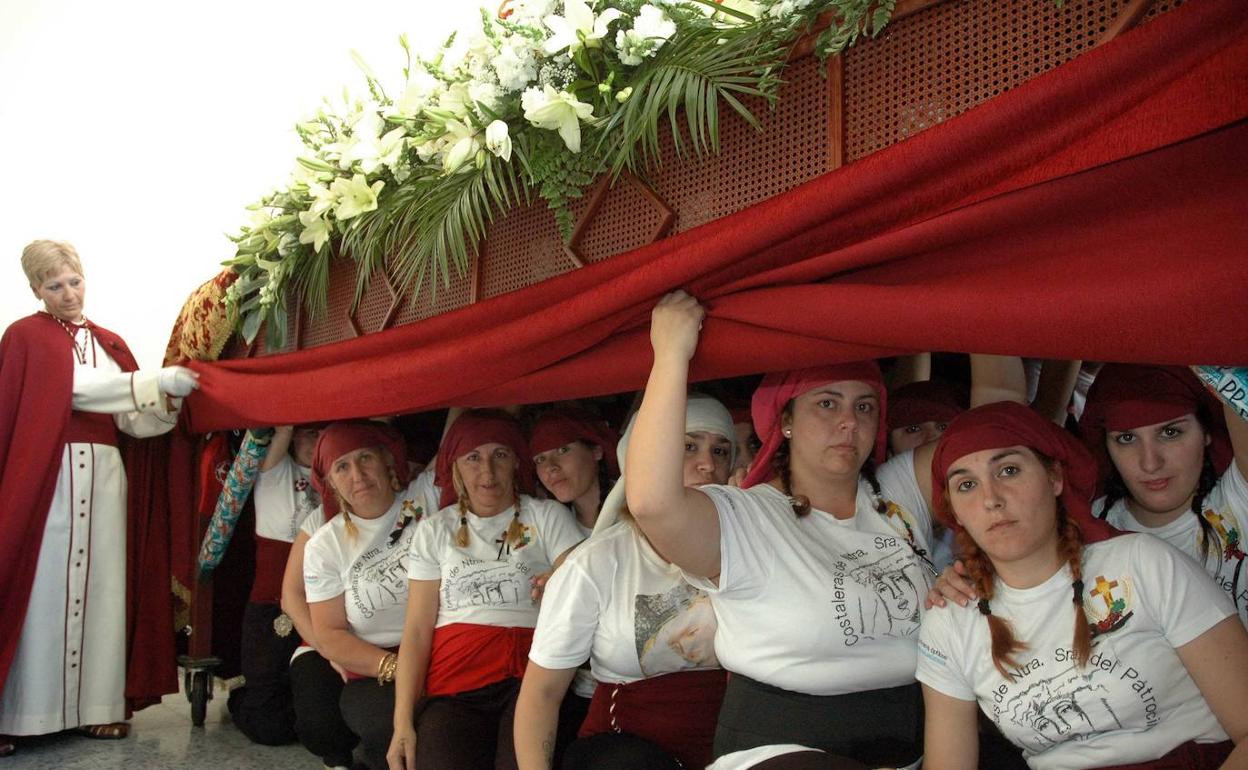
(1106,195)
(467,656)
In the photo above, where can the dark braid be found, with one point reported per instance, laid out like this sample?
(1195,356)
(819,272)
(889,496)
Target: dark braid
(877,495)
(1210,543)
(781,462)
(1115,490)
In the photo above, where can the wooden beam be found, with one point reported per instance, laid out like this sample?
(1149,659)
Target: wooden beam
(1131,15)
(836,112)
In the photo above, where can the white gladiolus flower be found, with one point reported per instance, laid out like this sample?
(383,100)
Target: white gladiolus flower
(651,29)
(577,27)
(515,64)
(485,94)
(497,140)
(558,111)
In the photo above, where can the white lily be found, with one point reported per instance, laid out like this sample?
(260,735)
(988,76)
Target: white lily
(465,142)
(322,198)
(390,147)
(355,196)
(651,29)
(497,139)
(577,27)
(315,230)
(422,89)
(556,110)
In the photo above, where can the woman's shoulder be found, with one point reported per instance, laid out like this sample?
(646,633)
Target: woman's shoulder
(608,545)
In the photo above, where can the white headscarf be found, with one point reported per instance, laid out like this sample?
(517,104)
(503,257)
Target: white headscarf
(703,414)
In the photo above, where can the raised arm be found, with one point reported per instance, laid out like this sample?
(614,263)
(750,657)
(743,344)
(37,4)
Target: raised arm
(409,678)
(537,715)
(294,600)
(278,445)
(681,523)
(1238,428)
(1057,383)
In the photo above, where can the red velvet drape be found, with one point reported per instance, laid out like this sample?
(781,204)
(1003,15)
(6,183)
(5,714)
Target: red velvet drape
(1099,211)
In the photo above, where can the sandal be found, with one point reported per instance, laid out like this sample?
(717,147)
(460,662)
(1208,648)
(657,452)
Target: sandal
(8,746)
(114,731)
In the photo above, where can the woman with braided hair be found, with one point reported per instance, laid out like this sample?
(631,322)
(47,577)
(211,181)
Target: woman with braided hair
(1174,465)
(470,614)
(1086,650)
(816,569)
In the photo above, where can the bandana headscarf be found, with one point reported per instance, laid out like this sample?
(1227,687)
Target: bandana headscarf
(561,427)
(338,439)
(1006,424)
(476,428)
(925,401)
(703,414)
(777,389)
(1128,396)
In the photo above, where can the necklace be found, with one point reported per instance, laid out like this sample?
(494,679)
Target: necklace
(80,351)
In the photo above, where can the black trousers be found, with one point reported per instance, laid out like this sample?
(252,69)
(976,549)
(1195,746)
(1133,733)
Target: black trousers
(317,689)
(875,727)
(368,709)
(263,709)
(617,751)
(470,730)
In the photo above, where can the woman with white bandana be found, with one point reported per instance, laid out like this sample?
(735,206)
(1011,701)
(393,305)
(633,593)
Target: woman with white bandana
(648,634)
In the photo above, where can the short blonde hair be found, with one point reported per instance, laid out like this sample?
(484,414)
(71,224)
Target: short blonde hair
(42,258)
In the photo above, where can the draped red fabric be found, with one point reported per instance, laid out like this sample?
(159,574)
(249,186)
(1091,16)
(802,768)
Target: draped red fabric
(1099,211)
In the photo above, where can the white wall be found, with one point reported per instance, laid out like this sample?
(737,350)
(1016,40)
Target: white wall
(139,130)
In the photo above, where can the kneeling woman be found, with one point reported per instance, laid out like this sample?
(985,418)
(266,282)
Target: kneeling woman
(470,614)
(648,634)
(1150,662)
(354,571)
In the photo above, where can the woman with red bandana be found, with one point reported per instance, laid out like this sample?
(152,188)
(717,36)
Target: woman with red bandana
(1086,651)
(354,573)
(816,569)
(1173,463)
(574,454)
(470,613)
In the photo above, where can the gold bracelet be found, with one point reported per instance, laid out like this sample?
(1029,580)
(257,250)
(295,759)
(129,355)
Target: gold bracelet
(386,668)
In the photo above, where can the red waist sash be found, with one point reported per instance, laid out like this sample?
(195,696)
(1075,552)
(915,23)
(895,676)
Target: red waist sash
(467,656)
(270,568)
(90,428)
(1187,756)
(677,711)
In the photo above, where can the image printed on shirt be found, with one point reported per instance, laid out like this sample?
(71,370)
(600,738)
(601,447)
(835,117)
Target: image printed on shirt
(1059,708)
(1108,604)
(378,578)
(877,594)
(1230,552)
(674,631)
(306,500)
(478,583)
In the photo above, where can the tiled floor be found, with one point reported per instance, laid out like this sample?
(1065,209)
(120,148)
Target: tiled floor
(162,737)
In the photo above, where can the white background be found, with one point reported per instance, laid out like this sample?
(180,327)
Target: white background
(139,131)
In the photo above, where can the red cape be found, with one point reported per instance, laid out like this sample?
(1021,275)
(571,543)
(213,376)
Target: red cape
(36,385)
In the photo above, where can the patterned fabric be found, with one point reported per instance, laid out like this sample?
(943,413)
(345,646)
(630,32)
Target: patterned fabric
(1228,383)
(203,327)
(233,497)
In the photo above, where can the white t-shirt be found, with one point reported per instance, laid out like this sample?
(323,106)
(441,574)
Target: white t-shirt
(420,497)
(488,582)
(369,568)
(284,498)
(619,604)
(821,605)
(1226,510)
(1132,703)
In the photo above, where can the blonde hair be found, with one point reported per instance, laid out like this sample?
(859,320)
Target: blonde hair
(348,525)
(515,530)
(42,258)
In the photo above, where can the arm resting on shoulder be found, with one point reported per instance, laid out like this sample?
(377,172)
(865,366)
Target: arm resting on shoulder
(294,600)
(537,715)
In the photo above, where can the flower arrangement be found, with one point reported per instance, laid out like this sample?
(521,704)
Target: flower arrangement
(546,96)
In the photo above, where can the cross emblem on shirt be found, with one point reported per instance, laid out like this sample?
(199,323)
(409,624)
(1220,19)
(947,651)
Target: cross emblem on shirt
(1105,590)
(1218,522)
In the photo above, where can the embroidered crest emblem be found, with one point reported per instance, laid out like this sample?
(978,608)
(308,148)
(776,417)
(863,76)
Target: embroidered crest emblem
(1108,605)
(1231,548)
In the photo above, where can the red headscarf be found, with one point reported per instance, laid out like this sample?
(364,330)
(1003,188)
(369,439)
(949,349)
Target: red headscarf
(338,439)
(476,428)
(1128,396)
(925,401)
(1006,424)
(779,388)
(560,427)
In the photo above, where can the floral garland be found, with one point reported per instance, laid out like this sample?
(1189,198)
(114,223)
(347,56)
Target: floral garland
(547,96)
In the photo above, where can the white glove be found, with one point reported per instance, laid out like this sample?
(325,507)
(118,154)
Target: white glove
(177,381)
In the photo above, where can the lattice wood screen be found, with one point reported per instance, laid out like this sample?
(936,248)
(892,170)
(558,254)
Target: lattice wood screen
(935,61)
